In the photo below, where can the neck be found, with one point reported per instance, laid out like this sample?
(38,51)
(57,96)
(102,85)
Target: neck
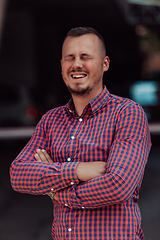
(80,102)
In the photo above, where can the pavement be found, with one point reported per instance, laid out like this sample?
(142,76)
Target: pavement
(28,217)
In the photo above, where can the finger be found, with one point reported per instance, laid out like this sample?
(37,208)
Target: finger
(49,159)
(41,156)
(55,197)
(37,157)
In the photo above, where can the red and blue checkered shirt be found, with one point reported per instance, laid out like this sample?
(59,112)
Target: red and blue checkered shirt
(111,129)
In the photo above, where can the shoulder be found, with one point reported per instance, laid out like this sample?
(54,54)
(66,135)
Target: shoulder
(55,112)
(53,115)
(131,116)
(124,104)
(126,110)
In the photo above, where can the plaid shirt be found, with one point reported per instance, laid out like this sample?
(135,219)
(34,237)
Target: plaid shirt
(111,129)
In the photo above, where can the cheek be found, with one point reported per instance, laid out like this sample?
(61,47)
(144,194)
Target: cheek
(65,74)
(98,69)
(93,66)
(93,70)
(65,68)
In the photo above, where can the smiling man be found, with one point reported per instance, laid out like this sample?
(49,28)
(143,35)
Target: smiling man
(89,156)
(83,64)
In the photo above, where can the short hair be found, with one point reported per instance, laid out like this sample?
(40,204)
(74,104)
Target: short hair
(79,31)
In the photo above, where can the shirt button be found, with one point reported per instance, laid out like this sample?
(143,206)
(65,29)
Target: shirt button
(69,229)
(82,207)
(68,159)
(72,137)
(52,189)
(71,183)
(66,205)
(80,119)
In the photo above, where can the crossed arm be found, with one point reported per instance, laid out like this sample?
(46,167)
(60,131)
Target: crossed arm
(114,181)
(84,170)
(97,184)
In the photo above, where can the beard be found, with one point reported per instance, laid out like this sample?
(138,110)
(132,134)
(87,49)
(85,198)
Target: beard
(79,91)
(82,91)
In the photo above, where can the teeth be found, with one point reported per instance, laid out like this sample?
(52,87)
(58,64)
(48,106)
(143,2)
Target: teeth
(78,76)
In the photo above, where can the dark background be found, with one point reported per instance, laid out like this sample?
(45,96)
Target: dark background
(31,83)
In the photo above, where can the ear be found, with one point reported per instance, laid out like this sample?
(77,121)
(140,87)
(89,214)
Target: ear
(61,62)
(106,62)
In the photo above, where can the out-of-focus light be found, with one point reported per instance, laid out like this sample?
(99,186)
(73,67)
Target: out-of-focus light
(32,112)
(141,30)
(144,92)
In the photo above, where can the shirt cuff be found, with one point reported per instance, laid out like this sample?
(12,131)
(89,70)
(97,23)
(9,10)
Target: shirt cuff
(68,174)
(68,198)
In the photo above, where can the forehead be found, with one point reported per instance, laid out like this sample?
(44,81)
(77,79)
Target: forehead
(87,43)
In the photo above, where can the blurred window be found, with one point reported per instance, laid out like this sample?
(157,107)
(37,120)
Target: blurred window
(145,92)
(150,2)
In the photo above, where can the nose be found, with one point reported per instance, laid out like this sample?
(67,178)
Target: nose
(77,63)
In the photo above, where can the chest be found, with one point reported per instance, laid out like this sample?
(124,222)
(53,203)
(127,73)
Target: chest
(80,139)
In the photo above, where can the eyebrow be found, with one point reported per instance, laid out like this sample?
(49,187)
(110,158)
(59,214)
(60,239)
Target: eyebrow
(69,55)
(83,54)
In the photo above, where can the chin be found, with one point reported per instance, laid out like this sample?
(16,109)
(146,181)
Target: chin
(79,91)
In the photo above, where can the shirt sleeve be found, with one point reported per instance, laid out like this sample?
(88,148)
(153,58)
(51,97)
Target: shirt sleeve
(125,165)
(29,176)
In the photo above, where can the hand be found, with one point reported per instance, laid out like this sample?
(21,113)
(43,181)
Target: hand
(88,170)
(43,156)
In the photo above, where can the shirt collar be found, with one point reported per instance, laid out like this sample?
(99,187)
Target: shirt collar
(94,105)
(100,100)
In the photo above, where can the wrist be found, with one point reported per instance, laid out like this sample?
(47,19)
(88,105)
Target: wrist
(51,195)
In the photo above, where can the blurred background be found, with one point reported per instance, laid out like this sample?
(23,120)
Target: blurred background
(31,36)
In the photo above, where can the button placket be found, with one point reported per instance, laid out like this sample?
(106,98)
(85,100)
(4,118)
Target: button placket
(80,120)
(74,130)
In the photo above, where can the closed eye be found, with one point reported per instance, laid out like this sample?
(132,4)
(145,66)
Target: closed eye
(85,56)
(69,57)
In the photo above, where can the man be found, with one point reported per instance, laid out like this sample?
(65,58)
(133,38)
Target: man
(90,154)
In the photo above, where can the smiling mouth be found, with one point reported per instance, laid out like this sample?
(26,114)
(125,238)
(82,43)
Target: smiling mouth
(78,76)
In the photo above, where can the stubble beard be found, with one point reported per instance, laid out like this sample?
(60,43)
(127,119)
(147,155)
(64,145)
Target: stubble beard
(80,91)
